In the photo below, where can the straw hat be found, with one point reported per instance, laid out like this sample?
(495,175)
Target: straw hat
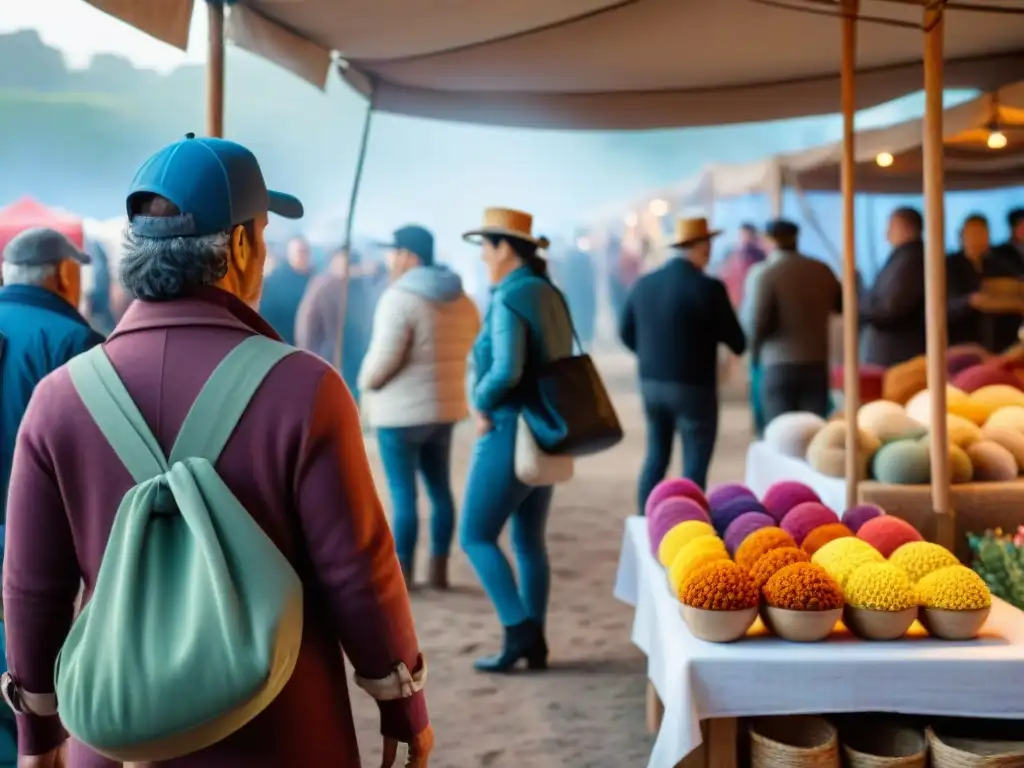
(690,231)
(508,222)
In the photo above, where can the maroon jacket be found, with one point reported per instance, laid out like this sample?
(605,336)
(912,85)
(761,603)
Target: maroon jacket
(296,462)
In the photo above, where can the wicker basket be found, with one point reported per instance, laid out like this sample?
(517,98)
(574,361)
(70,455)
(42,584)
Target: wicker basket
(959,751)
(801,741)
(881,744)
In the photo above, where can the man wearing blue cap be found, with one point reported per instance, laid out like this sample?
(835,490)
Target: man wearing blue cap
(295,461)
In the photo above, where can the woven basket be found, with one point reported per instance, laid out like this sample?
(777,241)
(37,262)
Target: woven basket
(879,744)
(963,752)
(801,741)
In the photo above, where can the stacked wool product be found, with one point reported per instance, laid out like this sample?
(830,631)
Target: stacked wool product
(887,534)
(681,535)
(804,518)
(719,586)
(802,587)
(822,535)
(672,487)
(919,558)
(880,586)
(668,514)
(844,556)
(827,451)
(697,553)
(782,496)
(954,588)
(760,542)
(773,561)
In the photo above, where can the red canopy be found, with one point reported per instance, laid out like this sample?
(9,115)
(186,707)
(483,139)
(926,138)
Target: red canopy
(27,214)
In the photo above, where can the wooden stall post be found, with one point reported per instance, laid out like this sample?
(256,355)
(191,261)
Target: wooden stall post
(851,374)
(215,69)
(935,270)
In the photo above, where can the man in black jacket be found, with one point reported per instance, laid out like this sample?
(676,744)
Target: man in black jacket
(1007,260)
(674,320)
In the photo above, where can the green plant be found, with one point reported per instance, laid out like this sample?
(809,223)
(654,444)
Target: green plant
(999,560)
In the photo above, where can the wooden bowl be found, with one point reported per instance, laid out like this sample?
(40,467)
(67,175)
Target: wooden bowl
(801,626)
(954,625)
(718,626)
(878,625)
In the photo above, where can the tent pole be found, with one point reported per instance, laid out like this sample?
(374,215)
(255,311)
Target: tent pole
(851,374)
(215,69)
(935,271)
(353,198)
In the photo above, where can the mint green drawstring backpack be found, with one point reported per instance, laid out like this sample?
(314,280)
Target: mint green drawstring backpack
(195,621)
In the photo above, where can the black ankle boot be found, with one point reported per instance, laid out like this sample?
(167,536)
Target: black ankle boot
(522,641)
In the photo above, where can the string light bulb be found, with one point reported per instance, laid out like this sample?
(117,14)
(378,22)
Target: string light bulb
(658,207)
(884,159)
(997,140)
(583,244)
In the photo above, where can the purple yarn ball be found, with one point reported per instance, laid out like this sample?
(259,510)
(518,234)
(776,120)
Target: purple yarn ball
(722,516)
(743,526)
(668,514)
(786,494)
(855,517)
(804,518)
(723,494)
(674,486)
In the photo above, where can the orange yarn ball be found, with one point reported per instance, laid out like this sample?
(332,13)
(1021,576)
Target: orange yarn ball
(803,587)
(773,561)
(823,534)
(759,542)
(719,586)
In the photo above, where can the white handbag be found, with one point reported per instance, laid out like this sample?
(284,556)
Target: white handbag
(533,466)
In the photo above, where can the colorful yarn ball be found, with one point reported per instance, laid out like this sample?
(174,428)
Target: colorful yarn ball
(903,462)
(723,515)
(681,535)
(887,534)
(743,526)
(722,494)
(977,376)
(804,518)
(719,586)
(775,560)
(954,588)
(880,587)
(803,587)
(919,558)
(698,553)
(784,495)
(991,462)
(672,487)
(855,517)
(668,514)
(1011,417)
(822,535)
(963,356)
(841,557)
(759,542)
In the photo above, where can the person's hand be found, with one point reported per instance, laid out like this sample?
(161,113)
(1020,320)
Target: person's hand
(419,750)
(483,424)
(52,759)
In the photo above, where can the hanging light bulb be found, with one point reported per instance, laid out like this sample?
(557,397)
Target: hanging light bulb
(884,159)
(997,140)
(631,219)
(583,244)
(658,207)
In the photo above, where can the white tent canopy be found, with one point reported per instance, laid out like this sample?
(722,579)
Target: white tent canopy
(611,64)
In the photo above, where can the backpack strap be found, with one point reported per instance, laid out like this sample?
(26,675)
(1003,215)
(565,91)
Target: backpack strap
(116,414)
(224,398)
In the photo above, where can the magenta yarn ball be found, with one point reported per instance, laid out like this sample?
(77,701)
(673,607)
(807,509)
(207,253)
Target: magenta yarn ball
(978,376)
(723,494)
(804,518)
(743,526)
(888,533)
(668,514)
(674,486)
(855,517)
(722,516)
(786,494)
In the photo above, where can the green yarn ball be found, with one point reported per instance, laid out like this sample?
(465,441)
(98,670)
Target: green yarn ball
(902,462)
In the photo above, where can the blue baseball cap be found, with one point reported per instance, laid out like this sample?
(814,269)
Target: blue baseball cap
(215,183)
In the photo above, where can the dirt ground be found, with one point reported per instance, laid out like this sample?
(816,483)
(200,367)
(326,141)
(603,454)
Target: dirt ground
(587,711)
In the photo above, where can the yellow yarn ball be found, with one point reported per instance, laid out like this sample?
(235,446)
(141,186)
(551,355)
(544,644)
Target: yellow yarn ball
(919,558)
(954,588)
(880,587)
(843,556)
(698,553)
(679,536)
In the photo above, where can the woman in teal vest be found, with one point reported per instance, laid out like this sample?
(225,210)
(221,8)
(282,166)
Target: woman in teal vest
(526,325)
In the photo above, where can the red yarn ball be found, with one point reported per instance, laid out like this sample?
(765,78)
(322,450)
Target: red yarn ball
(888,533)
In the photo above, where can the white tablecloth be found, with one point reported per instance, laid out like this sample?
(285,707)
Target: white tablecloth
(767,676)
(765,466)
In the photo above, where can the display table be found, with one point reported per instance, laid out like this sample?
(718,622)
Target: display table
(762,675)
(765,466)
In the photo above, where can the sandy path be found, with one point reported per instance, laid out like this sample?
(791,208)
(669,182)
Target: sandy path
(587,711)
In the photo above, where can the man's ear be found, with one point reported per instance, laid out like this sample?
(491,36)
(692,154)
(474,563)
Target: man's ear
(241,248)
(65,273)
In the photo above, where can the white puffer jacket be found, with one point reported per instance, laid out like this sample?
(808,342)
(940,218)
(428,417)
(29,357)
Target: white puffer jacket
(415,370)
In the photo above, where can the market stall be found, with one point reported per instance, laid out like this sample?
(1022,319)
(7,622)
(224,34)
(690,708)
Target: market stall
(27,213)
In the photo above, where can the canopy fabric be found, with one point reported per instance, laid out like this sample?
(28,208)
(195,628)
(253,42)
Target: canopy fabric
(602,64)
(28,214)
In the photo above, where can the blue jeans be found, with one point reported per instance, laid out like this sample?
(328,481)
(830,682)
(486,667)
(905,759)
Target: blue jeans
(756,406)
(683,409)
(494,496)
(406,451)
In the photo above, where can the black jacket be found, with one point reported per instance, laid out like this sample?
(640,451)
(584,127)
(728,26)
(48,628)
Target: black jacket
(1005,260)
(892,311)
(965,324)
(674,320)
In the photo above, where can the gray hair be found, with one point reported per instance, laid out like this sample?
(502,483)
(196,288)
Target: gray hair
(156,269)
(27,274)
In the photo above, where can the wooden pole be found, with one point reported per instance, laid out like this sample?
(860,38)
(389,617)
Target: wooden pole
(935,271)
(215,69)
(851,373)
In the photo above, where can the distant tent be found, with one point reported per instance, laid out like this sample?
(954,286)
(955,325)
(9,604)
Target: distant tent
(26,213)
